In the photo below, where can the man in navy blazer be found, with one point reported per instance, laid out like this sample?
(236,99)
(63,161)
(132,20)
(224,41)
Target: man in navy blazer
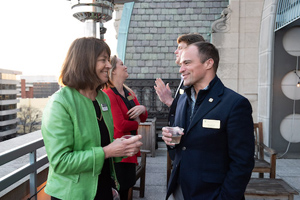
(163,91)
(215,156)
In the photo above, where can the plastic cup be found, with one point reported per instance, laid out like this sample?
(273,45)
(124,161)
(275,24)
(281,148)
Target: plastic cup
(176,136)
(127,136)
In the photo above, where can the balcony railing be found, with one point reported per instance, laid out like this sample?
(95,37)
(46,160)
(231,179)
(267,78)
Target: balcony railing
(30,168)
(288,11)
(144,89)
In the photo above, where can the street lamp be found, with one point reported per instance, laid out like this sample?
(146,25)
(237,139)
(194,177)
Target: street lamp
(91,12)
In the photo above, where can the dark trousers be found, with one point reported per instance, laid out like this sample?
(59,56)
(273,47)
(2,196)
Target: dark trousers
(103,193)
(123,194)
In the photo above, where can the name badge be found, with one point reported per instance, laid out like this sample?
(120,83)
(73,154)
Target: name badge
(130,97)
(211,123)
(104,107)
(181,91)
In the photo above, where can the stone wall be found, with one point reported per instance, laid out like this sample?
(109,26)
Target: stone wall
(237,36)
(154,28)
(265,70)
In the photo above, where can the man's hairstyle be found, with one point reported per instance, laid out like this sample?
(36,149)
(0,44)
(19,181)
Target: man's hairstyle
(206,51)
(190,38)
(79,68)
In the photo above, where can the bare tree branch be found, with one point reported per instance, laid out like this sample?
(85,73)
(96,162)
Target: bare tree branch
(30,119)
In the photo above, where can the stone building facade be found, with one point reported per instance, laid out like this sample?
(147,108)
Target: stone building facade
(236,34)
(154,28)
(250,36)
(8,103)
(257,64)
(41,86)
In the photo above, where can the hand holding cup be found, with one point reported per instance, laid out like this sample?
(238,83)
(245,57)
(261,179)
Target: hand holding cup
(127,136)
(123,147)
(172,135)
(132,150)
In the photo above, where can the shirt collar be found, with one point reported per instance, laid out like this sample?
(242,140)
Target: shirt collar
(190,91)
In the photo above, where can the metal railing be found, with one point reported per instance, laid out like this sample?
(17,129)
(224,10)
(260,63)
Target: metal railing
(28,169)
(144,89)
(145,92)
(288,11)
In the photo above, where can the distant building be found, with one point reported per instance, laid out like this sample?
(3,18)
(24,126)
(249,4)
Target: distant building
(38,86)
(8,103)
(26,90)
(44,89)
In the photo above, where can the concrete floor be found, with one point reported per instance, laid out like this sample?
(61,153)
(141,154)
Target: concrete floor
(156,168)
(156,175)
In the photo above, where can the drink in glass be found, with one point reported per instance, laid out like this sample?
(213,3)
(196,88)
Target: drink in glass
(176,136)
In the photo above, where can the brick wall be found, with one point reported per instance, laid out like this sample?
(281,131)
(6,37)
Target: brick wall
(154,28)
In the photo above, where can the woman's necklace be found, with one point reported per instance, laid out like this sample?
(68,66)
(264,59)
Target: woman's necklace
(101,117)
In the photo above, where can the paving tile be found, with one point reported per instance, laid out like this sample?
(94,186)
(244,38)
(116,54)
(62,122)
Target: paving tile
(156,174)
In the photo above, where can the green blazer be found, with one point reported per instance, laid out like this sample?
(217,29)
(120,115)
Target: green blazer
(72,139)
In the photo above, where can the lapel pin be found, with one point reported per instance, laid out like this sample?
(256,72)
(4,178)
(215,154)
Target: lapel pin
(210,100)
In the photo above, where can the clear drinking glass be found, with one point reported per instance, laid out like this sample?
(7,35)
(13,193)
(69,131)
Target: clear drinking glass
(176,134)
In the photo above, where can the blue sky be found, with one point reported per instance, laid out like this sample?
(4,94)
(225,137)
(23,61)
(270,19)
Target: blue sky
(36,34)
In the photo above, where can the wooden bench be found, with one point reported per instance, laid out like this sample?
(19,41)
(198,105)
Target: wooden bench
(140,174)
(147,130)
(261,165)
(263,188)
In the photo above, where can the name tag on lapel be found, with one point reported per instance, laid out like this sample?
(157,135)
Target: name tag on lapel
(211,123)
(104,107)
(130,97)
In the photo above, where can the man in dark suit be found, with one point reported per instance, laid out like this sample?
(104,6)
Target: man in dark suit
(215,156)
(163,91)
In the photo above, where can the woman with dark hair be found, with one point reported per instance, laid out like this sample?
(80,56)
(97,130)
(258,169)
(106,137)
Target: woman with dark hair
(77,128)
(127,114)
